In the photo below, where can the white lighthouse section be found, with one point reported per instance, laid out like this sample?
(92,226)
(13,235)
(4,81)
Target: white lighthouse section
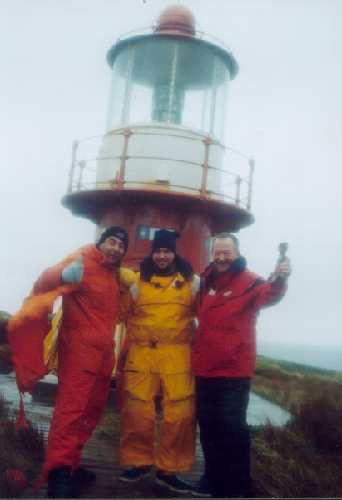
(168,95)
(166,118)
(162,157)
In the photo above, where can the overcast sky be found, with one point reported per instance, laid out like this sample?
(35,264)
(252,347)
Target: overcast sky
(285,108)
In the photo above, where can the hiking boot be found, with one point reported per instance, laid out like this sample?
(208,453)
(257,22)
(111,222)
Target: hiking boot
(135,474)
(201,488)
(60,483)
(173,483)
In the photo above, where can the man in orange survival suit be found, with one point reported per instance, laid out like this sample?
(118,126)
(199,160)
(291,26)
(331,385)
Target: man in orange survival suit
(85,354)
(160,325)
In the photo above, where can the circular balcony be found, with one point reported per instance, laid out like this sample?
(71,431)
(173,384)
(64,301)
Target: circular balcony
(159,162)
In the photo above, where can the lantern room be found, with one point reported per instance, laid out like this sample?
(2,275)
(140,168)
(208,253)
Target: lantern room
(168,93)
(171,77)
(162,161)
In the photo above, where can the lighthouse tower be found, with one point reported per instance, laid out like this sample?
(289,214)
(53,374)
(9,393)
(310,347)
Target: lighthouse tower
(162,162)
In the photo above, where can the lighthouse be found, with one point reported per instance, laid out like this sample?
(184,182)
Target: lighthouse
(162,161)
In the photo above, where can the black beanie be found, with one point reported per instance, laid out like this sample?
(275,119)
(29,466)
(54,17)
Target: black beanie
(165,239)
(117,232)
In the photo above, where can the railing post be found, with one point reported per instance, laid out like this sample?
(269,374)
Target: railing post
(80,176)
(127,133)
(238,188)
(207,141)
(251,163)
(73,166)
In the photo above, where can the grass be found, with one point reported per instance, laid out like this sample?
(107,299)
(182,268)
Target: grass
(6,365)
(304,458)
(289,384)
(21,450)
(286,464)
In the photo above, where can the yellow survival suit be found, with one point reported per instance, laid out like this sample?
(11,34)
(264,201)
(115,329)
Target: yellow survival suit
(160,327)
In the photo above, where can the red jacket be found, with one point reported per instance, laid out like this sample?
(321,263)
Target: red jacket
(225,343)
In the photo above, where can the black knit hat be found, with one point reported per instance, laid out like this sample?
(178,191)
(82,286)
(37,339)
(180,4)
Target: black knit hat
(165,239)
(117,232)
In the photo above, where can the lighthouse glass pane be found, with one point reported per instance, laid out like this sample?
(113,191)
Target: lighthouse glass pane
(140,104)
(169,80)
(120,78)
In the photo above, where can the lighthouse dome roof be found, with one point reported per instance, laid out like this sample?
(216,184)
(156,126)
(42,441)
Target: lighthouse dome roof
(176,19)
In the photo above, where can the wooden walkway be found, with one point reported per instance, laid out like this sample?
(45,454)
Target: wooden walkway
(101,456)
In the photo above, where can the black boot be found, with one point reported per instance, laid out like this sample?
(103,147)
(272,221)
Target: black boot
(60,483)
(82,478)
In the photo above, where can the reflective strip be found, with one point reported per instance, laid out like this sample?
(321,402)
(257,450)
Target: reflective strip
(195,286)
(134,290)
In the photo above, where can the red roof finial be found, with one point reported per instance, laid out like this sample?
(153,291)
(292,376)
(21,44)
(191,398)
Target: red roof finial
(176,20)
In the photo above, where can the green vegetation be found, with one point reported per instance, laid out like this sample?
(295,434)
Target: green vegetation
(289,384)
(20,451)
(303,459)
(6,365)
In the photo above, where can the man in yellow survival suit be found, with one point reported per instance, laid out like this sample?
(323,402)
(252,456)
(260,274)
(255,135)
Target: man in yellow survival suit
(159,331)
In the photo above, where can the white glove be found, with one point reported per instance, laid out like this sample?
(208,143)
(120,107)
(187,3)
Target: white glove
(73,273)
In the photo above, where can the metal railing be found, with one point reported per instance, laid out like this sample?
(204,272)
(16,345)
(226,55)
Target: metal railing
(236,178)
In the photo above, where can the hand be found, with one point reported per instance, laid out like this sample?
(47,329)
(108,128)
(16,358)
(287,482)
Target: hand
(73,273)
(283,269)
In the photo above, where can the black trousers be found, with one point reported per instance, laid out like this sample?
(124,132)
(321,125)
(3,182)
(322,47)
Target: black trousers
(225,439)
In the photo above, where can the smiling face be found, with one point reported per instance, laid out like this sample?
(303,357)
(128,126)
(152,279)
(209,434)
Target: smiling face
(224,253)
(163,258)
(113,249)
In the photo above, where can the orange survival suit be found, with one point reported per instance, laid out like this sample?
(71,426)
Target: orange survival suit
(85,352)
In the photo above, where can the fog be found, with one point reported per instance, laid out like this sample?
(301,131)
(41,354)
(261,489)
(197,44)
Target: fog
(285,109)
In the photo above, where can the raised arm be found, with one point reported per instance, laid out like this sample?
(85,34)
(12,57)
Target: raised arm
(272,291)
(68,271)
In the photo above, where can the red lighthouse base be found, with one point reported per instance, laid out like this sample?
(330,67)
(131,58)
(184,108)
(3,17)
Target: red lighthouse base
(143,212)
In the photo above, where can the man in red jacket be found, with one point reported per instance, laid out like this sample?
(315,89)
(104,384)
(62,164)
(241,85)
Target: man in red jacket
(224,355)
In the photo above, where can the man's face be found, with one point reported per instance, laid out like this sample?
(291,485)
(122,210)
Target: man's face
(224,253)
(113,249)
(163,258)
